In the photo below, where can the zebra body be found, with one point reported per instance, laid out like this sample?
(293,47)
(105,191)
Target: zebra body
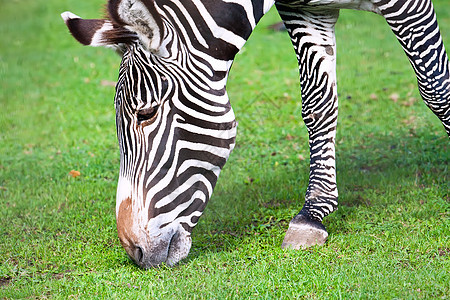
(175,125)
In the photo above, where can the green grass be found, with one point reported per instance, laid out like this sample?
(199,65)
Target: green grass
(390,237)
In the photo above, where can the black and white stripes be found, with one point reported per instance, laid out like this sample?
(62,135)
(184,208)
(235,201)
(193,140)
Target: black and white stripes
(415,26)
(175,124)
(170,163)
(313,39)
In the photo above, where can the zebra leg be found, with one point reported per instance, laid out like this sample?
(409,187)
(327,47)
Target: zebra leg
(313,38)
(415,26)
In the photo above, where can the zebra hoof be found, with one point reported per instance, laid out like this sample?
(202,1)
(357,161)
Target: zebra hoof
(303,233)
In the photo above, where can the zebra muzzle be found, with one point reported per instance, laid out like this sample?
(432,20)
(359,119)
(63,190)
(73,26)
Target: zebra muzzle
(169,251)
(147,251)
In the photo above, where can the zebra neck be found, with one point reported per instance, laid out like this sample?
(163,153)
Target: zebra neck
(216,29)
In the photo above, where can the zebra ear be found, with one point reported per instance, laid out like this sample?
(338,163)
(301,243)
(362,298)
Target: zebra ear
(96,32)
(140,16)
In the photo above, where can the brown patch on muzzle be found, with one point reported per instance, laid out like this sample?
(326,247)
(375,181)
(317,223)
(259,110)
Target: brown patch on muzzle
(125,225)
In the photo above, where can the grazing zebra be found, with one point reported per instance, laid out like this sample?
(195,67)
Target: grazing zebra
(175,124)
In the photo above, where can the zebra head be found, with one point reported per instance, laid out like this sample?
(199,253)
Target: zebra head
(175,125)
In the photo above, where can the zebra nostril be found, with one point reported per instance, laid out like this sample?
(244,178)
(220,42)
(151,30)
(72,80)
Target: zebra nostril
(138,254)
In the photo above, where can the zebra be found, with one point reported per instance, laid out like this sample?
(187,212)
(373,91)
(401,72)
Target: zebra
(176,127)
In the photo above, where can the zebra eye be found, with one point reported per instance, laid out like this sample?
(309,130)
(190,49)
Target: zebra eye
(146,115)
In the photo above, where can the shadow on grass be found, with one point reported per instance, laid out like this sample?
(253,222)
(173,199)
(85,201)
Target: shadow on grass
(373,172)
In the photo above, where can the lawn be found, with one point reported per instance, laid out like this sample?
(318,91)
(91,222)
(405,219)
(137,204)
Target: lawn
(390,237)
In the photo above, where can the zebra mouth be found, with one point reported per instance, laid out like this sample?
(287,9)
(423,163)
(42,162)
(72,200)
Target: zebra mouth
(179,247)
(170,252)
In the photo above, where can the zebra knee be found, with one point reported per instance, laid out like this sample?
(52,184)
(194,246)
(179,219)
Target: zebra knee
(436,95)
